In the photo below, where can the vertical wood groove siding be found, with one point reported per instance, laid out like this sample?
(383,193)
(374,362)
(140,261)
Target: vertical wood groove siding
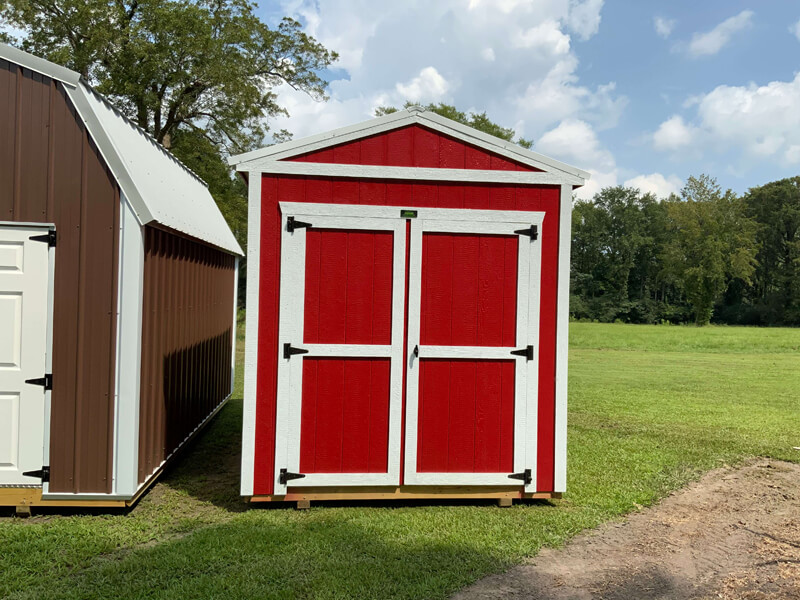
(186,341)
(51,172)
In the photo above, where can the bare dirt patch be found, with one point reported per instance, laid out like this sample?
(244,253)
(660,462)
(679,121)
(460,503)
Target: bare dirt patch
(733,534)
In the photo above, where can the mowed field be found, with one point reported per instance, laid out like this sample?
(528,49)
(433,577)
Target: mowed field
(650,409)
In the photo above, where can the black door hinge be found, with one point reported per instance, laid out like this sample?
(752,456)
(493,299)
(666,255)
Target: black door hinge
(289,351)
(292,224)
(285,476)
(527,352)
(525,476)
(532,232)
(43,474)
(46,381)
(49,238)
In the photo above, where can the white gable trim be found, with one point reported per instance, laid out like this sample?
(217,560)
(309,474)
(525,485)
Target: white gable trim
(403,118)
(40,65)
(277,167)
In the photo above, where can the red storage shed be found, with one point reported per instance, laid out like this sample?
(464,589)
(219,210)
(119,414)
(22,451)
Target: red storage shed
(408,289)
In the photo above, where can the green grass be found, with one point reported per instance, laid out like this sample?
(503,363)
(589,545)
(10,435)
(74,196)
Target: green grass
(650,409)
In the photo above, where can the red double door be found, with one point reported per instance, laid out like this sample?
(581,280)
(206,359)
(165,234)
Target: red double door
(408,342)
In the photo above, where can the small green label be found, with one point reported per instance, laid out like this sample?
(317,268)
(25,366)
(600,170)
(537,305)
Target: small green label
(408,214)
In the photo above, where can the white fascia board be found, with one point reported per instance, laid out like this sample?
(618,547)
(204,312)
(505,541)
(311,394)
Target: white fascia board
(40,65)
(323,140)
(110,155)
(410,116)
(276,167)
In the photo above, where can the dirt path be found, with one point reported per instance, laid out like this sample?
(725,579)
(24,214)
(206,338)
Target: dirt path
(732,534)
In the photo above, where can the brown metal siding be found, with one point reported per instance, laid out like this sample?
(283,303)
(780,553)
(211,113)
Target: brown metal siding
(51,172)
(186,341)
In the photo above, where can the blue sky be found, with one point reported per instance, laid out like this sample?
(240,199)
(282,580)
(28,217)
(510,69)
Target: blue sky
(637,92)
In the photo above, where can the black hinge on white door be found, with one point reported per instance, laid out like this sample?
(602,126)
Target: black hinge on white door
(43,474)
(525,476)
(46,381)
(527,352)
(49,238)
(292,224)
(532,232)
(285,476)
(289,351)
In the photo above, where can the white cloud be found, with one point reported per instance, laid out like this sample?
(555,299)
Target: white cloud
(711,42)
(792,155)
(584,17)
(428,86)
(795,30)
(597,182)
(488,54)
(656,184)
(545,38)
(664,26)
(673,134)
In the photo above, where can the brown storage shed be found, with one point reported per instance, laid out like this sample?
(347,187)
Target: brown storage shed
(117,295)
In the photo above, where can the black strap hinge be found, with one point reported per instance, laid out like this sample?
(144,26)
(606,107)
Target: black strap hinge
(289,351)
(43,474)
(46,381)
(525,476)
(292,224)
(49,238)
(285,476)
(527,352)
(532,232)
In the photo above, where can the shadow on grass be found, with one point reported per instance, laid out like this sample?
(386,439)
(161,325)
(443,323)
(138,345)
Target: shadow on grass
(323,555)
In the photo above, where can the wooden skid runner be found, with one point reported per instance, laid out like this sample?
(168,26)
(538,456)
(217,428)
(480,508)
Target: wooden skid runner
(406,492)
(33,497)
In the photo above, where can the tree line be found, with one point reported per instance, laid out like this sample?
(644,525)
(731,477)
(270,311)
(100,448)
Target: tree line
(702,256)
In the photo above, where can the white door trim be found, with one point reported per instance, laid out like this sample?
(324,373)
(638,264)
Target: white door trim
(291,329)
(47,362)
(527,332)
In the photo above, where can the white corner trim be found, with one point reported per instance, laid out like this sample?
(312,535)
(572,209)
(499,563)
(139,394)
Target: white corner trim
(130,290)
(235,320)
(251,333)
(277,167)
(403,118)
(562,338)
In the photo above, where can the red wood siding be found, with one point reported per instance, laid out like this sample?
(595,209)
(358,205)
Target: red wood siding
(348,296)
(186,341)
(413,146)
(469,290)
(466,416)
(345,415)
(300,189)
(51,172)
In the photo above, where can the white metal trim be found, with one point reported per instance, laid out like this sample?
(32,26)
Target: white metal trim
(288,425)
(275,167)
(526,396)
(410,116)
(251,334)
(40,65)
(127,397)
(562,339)
(48,361)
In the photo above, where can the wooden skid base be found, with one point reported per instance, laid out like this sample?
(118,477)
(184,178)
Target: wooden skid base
(405,492)
(22,497)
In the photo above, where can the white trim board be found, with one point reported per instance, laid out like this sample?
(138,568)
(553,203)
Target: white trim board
(276,167)
(251,333)
(410,116)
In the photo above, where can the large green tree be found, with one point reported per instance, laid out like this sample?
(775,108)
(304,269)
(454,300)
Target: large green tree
(776,284)
(712,243)
(198,75)
(479,121)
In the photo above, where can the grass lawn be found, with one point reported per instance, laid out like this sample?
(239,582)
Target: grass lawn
(650,409)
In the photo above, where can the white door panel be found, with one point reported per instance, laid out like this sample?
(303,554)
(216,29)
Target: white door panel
(24,280)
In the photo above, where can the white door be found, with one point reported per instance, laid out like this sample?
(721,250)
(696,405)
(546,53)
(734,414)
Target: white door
(473,314)
(340,363)
(24,281)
